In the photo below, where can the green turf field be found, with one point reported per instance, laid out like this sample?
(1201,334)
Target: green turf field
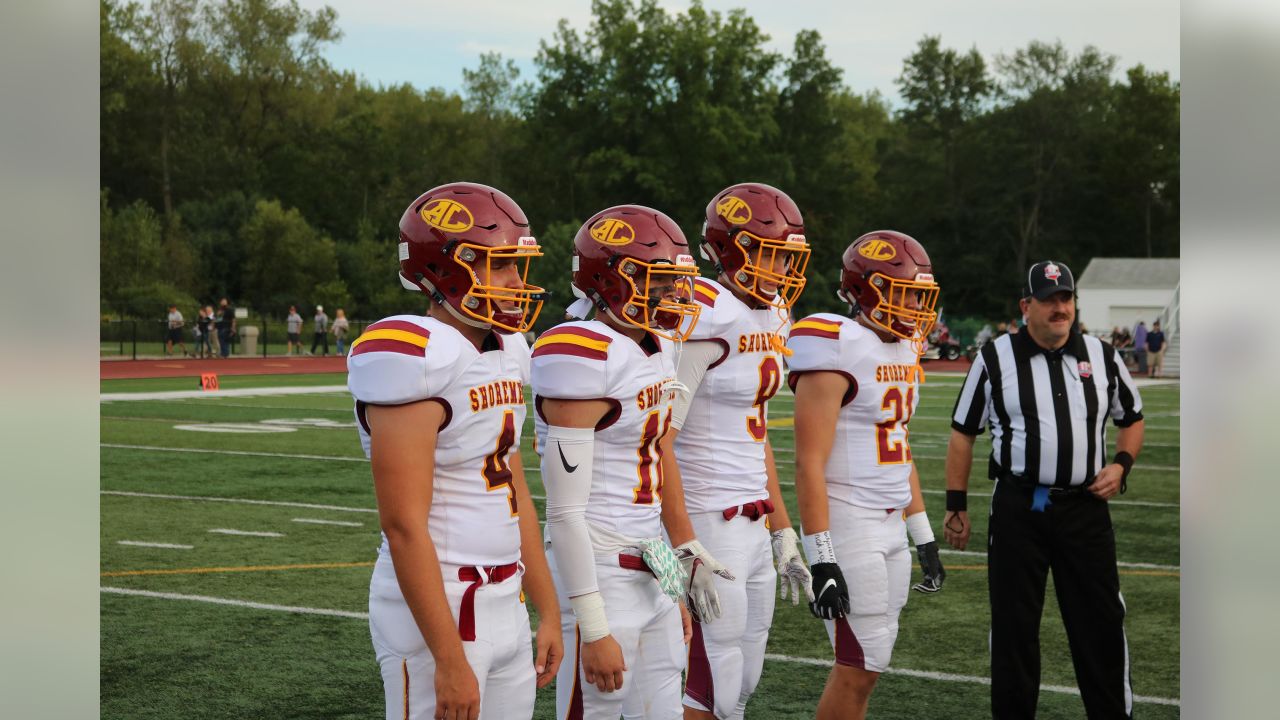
(290,467)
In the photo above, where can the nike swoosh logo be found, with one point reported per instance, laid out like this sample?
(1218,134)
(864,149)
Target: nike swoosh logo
(830,583)
(563,461)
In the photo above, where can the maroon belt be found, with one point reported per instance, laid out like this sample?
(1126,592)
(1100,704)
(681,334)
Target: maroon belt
(634,562)
(754,510)
(473,575)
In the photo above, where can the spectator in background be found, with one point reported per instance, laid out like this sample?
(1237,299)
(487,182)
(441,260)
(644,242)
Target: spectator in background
(293,331)
(175,332)
(1002,329)
(340,328)
(226,327)
(322,331)
(1155,349)
(1013,326)
(1140,346)
(204,328)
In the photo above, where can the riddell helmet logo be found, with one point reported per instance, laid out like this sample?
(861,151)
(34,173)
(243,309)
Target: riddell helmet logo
(735,210)
(878,250)
(447,215)
(611,231)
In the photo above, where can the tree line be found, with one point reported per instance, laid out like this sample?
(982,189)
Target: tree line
(235,161)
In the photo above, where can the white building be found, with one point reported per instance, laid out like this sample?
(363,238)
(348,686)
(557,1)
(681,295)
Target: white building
(1118,292)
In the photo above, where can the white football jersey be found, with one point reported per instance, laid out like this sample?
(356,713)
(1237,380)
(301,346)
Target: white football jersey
(870,461)
(720,447)
(407,358)
(588,360)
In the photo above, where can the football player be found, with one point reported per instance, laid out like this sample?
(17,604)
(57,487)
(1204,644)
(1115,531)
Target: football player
(856,380)
(440,403)
(603,394)
(732,365)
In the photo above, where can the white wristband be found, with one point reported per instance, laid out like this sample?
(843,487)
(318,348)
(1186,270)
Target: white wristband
(919,529)
(818,548)
(589,610)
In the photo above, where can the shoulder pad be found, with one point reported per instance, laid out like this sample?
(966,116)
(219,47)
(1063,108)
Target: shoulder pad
(815,343)
(718,310)
(390,364)
(569,361)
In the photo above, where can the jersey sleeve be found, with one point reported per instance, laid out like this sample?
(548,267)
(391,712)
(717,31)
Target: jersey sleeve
(715,312)
(397,361)
(570,362)
(815,344)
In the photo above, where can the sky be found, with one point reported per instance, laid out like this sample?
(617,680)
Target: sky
(428,43)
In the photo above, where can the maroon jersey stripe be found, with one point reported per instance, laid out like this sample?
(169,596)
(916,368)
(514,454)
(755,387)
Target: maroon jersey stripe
(814,332)
(580,332)
(394,346)
(400,325)
(555,348)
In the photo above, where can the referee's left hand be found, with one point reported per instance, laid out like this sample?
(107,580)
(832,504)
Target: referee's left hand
(1107,482)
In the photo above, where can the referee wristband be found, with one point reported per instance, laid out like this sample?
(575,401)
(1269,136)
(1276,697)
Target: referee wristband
(1124,460)
(957,501)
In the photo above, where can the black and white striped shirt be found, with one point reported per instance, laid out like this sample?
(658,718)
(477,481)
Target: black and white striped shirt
(1047,408)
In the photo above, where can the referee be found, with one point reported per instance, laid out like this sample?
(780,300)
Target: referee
(1046,394)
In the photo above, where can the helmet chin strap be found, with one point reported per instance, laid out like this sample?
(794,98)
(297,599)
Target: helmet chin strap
(438,298)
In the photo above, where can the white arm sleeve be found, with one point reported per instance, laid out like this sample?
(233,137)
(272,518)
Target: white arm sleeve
(567,463)
(696,358)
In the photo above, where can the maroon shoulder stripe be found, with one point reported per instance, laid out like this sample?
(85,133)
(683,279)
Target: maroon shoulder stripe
(814,332)
(563,348)
(400,325)
(580,332)
(393,346)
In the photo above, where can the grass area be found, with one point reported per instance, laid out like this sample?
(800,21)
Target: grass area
(162,657)
(226,382)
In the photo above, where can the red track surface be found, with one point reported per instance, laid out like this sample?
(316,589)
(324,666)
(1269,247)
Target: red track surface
(191,367)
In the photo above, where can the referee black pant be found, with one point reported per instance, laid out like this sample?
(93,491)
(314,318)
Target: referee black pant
(1072,537)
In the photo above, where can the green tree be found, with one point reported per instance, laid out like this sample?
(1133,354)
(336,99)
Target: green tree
(285,258)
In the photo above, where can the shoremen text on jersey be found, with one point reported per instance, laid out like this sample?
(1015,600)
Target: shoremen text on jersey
(588,360)
(870,462)
(408,358)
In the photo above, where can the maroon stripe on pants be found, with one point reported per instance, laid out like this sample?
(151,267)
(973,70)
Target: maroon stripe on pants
(575,699)
(699,685)
(848,649)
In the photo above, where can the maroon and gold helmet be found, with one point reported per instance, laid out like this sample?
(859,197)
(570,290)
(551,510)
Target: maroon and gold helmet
(451,239)
(884,272)
(754,234)
(634,264)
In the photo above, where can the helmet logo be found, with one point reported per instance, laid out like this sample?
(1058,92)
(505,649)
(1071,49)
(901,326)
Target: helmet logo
(1051,272)
(447,215)
(878,250)
(611,231)
(685,260)
(735,210)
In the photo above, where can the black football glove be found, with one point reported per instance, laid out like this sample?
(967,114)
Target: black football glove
(831,595)
(931,566)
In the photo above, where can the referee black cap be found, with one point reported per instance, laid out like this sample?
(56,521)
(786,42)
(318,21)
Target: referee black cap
(1047,278)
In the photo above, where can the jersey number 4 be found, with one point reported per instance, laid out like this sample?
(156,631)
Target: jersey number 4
(770,381)
(497,471)
(650,454)
(899,407)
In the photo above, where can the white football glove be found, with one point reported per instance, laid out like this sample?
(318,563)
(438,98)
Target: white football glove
(700,566)
(791,568)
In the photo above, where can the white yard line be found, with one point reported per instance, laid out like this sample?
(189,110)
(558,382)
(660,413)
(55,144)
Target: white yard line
(1139,566)
(316,521)
(238,501)
(235,392)
(952,677)
(246,533)
(163,546)
(773,657)
(296,456)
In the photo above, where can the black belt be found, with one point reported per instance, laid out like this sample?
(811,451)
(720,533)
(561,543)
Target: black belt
(1054,491)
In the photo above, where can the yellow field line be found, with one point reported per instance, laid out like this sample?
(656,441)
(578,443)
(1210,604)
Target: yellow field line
(1147,573)
(787,421)
(251,568)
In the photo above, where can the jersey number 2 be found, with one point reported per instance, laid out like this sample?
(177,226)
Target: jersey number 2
(497,471)
(899,451)
(650,453)
(770,381)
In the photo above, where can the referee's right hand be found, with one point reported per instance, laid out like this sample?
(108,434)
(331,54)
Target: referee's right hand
(955,528)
